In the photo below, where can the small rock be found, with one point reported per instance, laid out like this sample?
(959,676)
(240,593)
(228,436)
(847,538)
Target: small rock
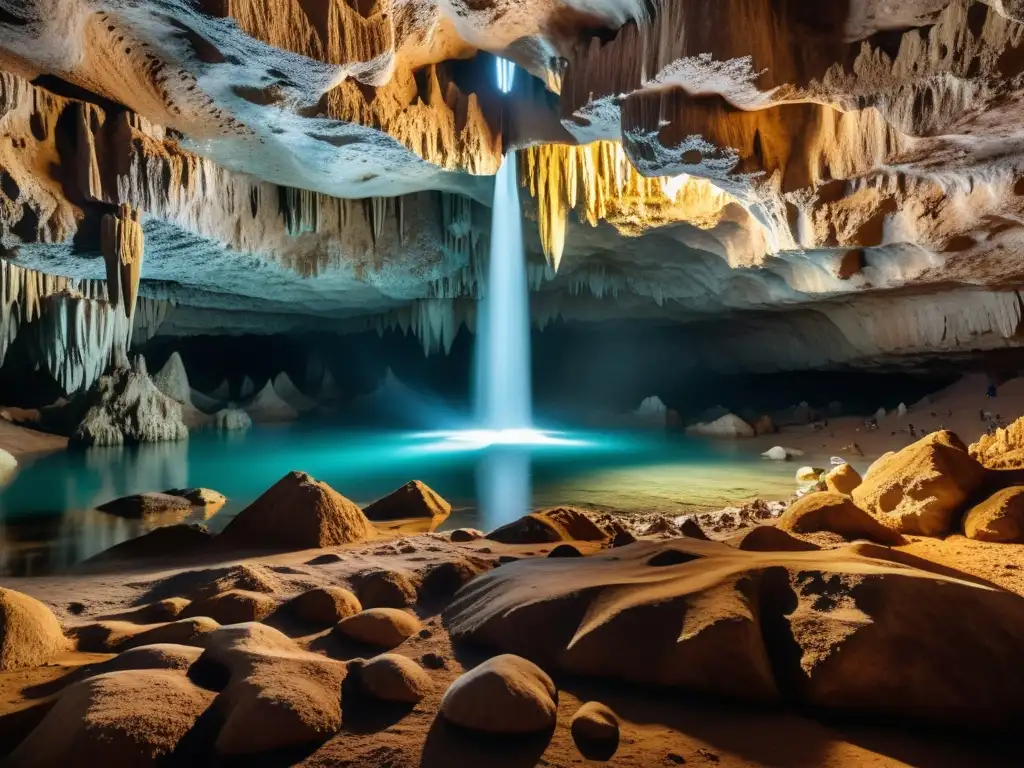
(506,694)
(434,661)
(594,722)
(379,588)
(465,535)
(324,605)
(383,627)
(390,677)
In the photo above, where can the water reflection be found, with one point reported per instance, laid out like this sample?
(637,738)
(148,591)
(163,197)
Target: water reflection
(503,485)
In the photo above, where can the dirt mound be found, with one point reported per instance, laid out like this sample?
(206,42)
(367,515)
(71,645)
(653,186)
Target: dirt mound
(277,694)
(299,512)
(769,538)
(921,489)
(128,718)
(843,479)
(166,541)
(378,588)
(29,632)
(324,606)
(235,606)
(506,695)
(833,630)
(153,613)
(414,499)
(206,582)
(1002,450)
(1000,518)
(146,504)
(836,513)
(156,656)
(548,526)
(394,678)
(383,627)
(442,580)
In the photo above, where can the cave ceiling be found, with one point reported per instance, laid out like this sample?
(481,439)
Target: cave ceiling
(798,183)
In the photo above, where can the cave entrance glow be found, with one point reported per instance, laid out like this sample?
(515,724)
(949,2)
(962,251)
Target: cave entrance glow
(506,72)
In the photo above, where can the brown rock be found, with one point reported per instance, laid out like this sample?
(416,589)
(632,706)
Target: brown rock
(843,479)
(166,541)
(921,489)
(156,656)
(325,605)
(506,695)
(30,634)
(548,526)
(441,581)
(1000,518)
(378,588)
(383,627)
(414,499)
(299,512)
(390,677)
(691,528)
(768,538)
(836,513)
(126,718)
(198,497)
(465,535)
(146,505)
(234,606)
(565,550)
(594,722)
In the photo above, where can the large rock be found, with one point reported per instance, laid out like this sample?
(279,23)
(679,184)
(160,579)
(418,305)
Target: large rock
(172,380)
(921,489)
(845,630)
(277,695)
(383,627)
(143,505)
(165,541)
(412,500)
(843,479)
(1002,450)
(550,525)
(324,606)
(770,538)
(1000,518)
(836,513)
(299,512)
(728,426)
(123,718)
(394,678)
(126,407)
(504,695)
(29,632)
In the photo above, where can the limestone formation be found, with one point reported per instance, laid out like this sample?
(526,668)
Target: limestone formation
(921,489)
(843,479)
(728,426)
(29,632)
(290,394)
(504,695)
(317,516)
(126,407)
(268,407)
(1002,450)
(231,420)
(172,380)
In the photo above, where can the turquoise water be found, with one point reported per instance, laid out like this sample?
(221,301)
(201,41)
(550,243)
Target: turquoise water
(48,519)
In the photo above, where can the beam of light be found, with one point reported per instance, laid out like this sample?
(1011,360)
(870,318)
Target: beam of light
(506,72)
(480,439)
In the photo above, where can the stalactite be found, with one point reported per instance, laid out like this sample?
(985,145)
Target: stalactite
(122,246)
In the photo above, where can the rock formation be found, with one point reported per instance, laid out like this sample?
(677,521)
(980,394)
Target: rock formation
(29,632)
(727,426)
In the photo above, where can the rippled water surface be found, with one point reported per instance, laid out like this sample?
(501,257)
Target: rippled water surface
(48,519)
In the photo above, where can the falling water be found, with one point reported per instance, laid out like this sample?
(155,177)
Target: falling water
(503,333)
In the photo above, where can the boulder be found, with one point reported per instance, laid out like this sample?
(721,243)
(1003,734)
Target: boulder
(442,580)
(299,512)
(728,426)
(234,606)
(769,538)
(465,535)
(921,489)
(172,380)
(412,500)
(809,474)
(1000,518)
(29,632)
(198,497)
(394,678)
(843,479)
(156,656)
(842,631)
(126,407)
(324,606)
(379,588)
(594,722)
(1002,450)
(548,526)
(504,695)
(383,627)
(165,541)
(143,505)
(836,513)
(122,718)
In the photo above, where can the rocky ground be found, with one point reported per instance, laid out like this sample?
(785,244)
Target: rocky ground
(874,622)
